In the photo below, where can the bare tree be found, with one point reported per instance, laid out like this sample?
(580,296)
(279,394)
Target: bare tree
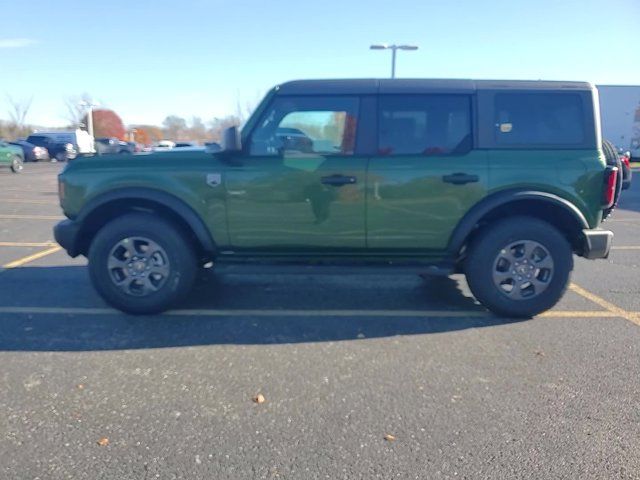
(218,126)
(174,127)
(244,108)
(75,110)
(18,110)
(197,130)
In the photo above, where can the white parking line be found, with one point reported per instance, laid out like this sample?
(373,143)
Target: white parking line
(27,244)
(31,217)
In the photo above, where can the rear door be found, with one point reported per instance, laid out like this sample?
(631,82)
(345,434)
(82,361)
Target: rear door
(299,186)
(426,174)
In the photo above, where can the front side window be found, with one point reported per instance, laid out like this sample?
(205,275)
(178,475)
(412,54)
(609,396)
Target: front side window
(295,126)
(538,119)
(424,125)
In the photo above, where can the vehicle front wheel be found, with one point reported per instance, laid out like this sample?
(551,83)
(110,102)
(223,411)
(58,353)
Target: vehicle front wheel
(142,264)
(519,267)
(17,165)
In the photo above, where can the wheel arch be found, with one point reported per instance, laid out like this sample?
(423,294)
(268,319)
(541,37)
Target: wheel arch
(104,208)
(548,207)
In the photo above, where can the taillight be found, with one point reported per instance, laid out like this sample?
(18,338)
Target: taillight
(610,181)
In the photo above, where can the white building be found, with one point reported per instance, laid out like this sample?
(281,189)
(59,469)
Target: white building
(620,113)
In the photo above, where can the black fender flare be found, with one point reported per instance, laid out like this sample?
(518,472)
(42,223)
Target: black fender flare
(468,223)
(167,200)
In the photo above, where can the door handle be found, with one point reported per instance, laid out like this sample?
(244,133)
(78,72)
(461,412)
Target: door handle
(460,178)
(338,180)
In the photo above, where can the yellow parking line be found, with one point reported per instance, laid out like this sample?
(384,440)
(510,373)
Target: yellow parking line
(27,244)
(578,314)
(626,247)
(614,309)
(30,258)
(303,313)
(31,217)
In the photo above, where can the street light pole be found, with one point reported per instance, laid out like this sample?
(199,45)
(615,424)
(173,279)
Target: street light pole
(394,48)
(393,62)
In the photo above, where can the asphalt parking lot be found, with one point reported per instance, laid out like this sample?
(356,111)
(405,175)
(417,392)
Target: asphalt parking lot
(342,362)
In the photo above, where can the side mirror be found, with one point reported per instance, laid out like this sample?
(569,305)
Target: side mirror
(212,147)
(231,140)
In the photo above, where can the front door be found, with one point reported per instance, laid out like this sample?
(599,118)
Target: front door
(426,174)
(5,153)
(299,186)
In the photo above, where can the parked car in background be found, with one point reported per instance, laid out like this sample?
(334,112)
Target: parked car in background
(127,148)
(83,143)
(191,148)
(11,156)
(294,139)
(164,145)
(113,146)
(60,151)
(135,147)
(625,160)
(32,153)
(107,146)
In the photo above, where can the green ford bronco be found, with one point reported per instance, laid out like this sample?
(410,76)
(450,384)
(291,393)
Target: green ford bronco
(500,180)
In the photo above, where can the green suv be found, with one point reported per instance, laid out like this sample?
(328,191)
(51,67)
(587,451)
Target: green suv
(500,180)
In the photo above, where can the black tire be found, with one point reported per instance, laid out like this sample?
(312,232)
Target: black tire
(492,242)
(180,258)
(17,165)
(61,157)
(613,160)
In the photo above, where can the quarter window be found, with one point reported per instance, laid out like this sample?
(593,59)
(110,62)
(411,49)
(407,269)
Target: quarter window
(294,126)
(538,119)
(424,125)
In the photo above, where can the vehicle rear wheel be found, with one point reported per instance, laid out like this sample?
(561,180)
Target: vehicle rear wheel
(141,264)
(17,164)
(519,267)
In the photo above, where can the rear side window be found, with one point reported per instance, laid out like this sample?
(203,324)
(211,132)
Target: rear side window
(424,124)
(540,119)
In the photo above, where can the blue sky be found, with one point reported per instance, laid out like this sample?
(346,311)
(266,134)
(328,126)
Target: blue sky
(149,59)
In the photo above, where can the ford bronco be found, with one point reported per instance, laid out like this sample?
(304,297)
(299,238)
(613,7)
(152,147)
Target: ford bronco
(503,181)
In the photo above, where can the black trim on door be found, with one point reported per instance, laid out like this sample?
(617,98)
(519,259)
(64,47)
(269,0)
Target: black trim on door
(367,136)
